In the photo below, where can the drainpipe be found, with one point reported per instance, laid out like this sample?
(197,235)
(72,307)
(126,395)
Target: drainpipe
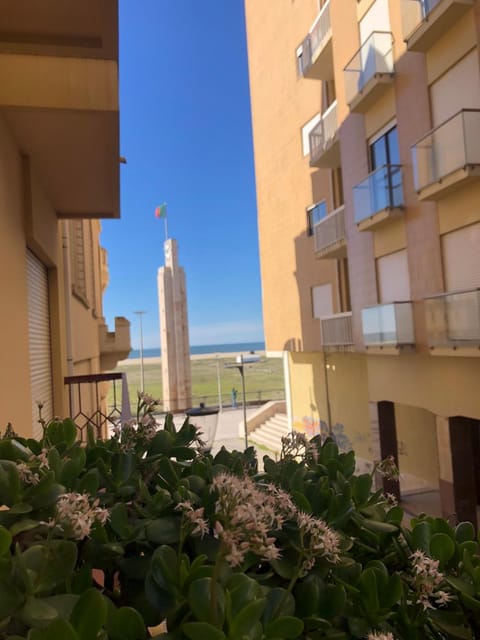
(67,292)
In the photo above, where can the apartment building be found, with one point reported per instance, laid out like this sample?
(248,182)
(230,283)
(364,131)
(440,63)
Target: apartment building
(59,176)
(366,127)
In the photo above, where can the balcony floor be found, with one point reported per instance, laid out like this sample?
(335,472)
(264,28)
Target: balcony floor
(450,182)
(379,219)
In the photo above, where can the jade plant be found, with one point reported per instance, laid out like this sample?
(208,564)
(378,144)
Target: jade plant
(144,534)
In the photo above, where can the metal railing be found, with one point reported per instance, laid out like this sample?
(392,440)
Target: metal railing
(323,134)
(88,402)
(453,319)
(330,230)
(336,330)
(317,37)
(382,189)
(388,324)
(453,145)
(375,56)
(414,12)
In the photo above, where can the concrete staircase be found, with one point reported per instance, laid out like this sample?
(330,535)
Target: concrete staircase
(269,434)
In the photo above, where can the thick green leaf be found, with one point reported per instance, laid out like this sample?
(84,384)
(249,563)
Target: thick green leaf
(442,547)
(202,631)
(11,599)
(285,627)
(244,620)
(199,599)
(60,629)
(163,530)
(5,540)
(37,613)
(126,624)
(89,614)
(279,603)
(119,521)
(464,531)
(421,534)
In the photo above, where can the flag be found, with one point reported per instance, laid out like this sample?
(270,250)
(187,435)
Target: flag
(161,211)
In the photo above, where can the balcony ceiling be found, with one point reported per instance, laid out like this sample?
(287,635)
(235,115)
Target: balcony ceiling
(84,28)
(76,155)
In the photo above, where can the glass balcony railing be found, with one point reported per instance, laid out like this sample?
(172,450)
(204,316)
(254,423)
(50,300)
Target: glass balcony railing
(317,38)
(453,319)
(336,330)
(374,57)
(382,189)
(323,134)
(329,231)
(388,324)
(453,145)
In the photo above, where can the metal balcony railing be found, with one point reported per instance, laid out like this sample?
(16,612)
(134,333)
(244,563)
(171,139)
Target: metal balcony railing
(88,403)
(453,319)
(453,145)
(330,231)
(323,134)
(374,57)
(316,39)
(382,189)
(388,324)
(336,330)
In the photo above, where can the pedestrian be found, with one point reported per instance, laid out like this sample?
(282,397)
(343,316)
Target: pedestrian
(234,398)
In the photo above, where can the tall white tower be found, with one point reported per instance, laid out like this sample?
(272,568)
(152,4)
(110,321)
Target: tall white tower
(174,340)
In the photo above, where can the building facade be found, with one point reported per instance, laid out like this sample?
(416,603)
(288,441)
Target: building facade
(59,175)
(366,127)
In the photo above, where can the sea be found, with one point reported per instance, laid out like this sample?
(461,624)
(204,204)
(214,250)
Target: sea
(236,347)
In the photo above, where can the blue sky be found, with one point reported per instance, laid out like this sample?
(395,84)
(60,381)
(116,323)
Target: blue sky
(186,134)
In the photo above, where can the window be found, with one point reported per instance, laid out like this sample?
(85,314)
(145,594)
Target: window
(393,277)
(461,258)
(306,130)
(315,213)
(322,301)
(79,276)
(384,150)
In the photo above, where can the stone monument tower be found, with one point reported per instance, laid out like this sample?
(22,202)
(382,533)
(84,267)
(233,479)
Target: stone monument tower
(174,340)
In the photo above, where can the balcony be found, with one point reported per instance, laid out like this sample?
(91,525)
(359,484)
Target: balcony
(114,345)
(378,198)
(448,156)
(425,21)
(336,332)
(59,97)
(388,325)
(453,321)
(370,72)
(317,59)
(329,235)
(324,141)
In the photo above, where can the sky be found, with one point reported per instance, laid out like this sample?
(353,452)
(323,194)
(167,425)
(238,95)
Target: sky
(185,131)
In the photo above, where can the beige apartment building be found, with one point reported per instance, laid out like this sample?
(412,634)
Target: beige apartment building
(366,127)
(59,176)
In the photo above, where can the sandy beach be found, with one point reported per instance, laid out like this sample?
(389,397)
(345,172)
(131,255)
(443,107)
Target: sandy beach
(196,356)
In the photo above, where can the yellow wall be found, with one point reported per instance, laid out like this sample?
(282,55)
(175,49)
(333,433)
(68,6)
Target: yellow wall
(348,393)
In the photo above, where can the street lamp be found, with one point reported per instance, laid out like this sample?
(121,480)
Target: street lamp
(240,363)
(142,376)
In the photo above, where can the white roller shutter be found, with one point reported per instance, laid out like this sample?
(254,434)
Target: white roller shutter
(461,258)
(393,277)
(39,340)
(322,301)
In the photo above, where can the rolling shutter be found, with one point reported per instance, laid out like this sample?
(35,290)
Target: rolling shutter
(39,340)
(393,277)
(461,258)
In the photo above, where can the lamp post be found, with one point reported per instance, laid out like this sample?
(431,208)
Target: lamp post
(240,363)
(219,384)
(142,376)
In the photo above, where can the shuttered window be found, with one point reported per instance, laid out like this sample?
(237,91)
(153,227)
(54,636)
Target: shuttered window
(39,340)
(461,258)
(393,277)
(322,301)
(79,276)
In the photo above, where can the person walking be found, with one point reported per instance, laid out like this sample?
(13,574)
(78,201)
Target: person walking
(234,398)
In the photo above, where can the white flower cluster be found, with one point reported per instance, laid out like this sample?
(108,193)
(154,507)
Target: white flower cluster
(76,516)
(427,580)
(194,517)
(248,516)
(28,472)
(376,635)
